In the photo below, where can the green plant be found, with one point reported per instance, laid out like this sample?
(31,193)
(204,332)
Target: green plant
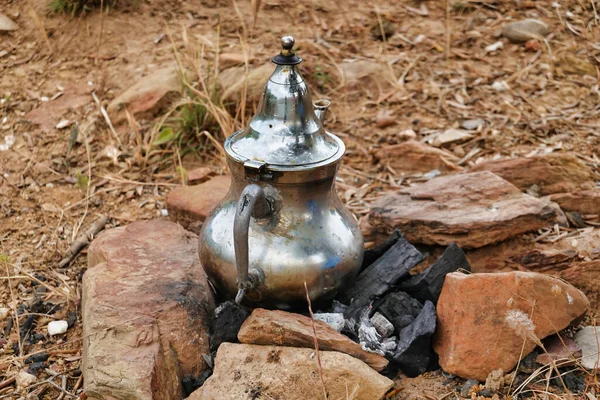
(82,6)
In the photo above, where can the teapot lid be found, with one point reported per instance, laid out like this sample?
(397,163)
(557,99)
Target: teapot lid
(285,132)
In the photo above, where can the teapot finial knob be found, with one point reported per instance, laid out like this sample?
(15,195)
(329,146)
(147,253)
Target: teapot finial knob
(287,56)
(287,44)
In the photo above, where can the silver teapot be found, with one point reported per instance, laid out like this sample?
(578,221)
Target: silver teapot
(282,225)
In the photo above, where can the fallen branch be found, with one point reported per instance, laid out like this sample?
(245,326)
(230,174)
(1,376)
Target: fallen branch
(82,241)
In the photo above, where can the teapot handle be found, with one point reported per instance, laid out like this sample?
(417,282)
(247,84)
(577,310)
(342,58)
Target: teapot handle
(252,203)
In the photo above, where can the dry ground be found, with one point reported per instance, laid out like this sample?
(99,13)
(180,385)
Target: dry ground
(53,188)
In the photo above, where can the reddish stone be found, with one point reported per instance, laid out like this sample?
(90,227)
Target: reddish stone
(553,173)
(585,276)
(583,202)
(191,204)
(145,304)
(48,114)
(533,45)
(282,328)
(199,175)
(485,321)
(414,156)
(245,371)
(473,210)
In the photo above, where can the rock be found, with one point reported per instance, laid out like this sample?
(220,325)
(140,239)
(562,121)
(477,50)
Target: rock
(244,371)
(414,156)
(533,45)
(400,309)
(366,74)
(232,81)
(146,305)
(414,353)
(227,60)
(587,340)
(465,390)
(492,48)
(485,321)
(495,380)
(472,124)
(24,380)
(199,175)
(428,284)
(334,320)
(472,210)
(522,31)
(553,173)
(375,280)
(7,24)
(49,113)
(585,277)
(57,327)
(450,136)
(192,204)
(274,327)
(229,318)
(583,202)
(149,96)
(559,349)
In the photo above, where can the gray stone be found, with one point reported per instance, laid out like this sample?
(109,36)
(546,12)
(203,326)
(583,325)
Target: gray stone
(587,340)
(522,31)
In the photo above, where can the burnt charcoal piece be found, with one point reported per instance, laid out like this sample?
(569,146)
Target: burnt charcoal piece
(27,325)
(71,318)
(39,357)
(380,276)
(428,284)
(414,351)
(400,309)
(37,367)
(190,382)
(229,317)
(375,252)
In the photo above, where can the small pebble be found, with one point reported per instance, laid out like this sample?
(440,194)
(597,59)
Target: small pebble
(522,31)
(4,313)
(472,124)
(500,86)
(57,327)
(465,391)
(494,47)
(533,45)
(24,379)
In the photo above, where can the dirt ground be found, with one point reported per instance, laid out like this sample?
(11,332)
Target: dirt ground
(53,188)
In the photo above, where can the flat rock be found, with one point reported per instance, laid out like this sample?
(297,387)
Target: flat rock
(413,156)
(244,371)
(584,276)
(146,303)
(450,136)
(472,210)
(587,340)
(559,349)
(485,321)
(49,113)
(522,31)
(148,96)
(233,80)
(7,24)
(583,202)
(553,173)
(192,204)
(274,327)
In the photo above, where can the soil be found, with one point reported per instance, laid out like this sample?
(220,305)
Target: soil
(53,188)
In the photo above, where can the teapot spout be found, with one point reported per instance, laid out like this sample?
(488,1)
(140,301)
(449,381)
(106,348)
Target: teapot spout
(321,107)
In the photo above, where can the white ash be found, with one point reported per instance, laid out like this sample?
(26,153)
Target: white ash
(334,320)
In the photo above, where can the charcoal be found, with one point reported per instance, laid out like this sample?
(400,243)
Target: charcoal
(414,352)
(38,357)
(428,284)
(400,309)
(37,367)
(375,252)
(383,274)
(71,318)
(338,307)
(190,382)
(229,317)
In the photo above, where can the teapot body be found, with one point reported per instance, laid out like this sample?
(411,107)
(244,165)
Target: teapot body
(309,237)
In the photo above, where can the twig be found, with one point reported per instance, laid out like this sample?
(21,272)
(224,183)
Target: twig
(316,342)
(106,118)
(82,241)
(7,382)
